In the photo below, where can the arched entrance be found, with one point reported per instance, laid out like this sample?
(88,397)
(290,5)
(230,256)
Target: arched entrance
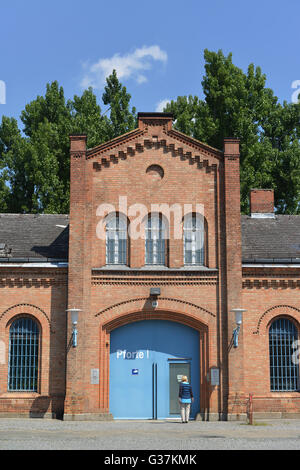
(110,323)
(147,360)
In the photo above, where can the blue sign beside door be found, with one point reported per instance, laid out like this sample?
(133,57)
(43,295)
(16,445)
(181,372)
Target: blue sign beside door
(142,383)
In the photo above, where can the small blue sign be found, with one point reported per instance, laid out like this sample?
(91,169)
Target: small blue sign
(135,372)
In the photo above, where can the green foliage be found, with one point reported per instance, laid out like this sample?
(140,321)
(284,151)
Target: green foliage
(87,118)
(35,165)
(115,95)
(238,104)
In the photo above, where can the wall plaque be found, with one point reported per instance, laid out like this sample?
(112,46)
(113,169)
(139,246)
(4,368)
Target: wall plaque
(94,376)
(215,376)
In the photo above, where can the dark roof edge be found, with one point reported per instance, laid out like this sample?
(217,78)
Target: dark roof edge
(271,261)
(195,142)
(38,214)
(113,142)
(156,115)
(33,260)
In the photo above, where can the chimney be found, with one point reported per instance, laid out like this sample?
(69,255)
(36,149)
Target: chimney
(5,251)
(78,144)
(155,119)
(262,203)
(232,147)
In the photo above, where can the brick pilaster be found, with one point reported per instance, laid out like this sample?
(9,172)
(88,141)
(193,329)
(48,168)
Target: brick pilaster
(233,271)
(79,276)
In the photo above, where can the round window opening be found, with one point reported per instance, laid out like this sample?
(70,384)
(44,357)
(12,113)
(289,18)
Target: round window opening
(155,172)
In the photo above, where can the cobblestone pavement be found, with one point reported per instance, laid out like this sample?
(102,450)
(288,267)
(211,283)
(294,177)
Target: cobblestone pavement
(39,434)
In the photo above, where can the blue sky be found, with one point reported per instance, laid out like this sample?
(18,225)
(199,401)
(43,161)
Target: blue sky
(157,47)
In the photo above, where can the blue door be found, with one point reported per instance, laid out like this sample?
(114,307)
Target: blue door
(147,360)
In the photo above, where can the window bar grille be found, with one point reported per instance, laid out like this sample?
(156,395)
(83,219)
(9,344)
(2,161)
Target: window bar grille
(29,350)
(284,373)
(30,375)
(281,346)
(17,370)
(285,362)
(24,368)
(23,355)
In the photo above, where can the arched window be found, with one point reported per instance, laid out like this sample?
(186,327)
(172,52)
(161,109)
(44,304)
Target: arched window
(116,239)
(155,236)
(23,355)
(284,368)
(193,229)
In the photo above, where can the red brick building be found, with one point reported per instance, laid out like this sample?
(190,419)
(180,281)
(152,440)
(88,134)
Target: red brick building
(205,260)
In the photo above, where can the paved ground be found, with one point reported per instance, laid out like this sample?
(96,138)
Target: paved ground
(37,434)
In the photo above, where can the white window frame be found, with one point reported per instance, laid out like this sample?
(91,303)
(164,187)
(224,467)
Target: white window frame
(193,226)
(116,229)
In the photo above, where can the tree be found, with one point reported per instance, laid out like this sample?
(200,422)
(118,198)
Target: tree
(115,95)
(35,165)
(238,104)
(8,131)
(87,118)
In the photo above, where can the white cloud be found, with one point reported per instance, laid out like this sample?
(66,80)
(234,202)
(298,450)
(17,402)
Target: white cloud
(141,79)
(161,105)
(132,65)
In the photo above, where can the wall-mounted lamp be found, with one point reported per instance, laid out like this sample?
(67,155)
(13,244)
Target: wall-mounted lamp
(154,293)
(74,319)
(238,321)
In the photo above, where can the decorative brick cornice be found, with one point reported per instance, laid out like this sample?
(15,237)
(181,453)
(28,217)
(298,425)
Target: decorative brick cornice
(163,278)
(113,144)
(113,151)
(271,283)
(176,302)
(154,123)
(77,154)
(206,149)
(32,279)
(277,310)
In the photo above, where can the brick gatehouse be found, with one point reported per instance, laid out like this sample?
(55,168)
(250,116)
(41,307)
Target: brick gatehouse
(152,305)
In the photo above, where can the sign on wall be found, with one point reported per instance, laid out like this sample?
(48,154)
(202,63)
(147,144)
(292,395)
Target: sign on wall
(215,376)
(94,376)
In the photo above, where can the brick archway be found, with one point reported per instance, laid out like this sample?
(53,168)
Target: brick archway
(276,310)
(30,309)
(109,325)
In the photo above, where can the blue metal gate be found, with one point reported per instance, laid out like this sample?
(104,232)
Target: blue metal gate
(147,358)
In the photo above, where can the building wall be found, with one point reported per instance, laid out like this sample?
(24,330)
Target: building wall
(191,302)
(41,295)
(108,298)
(130,180)
(114,297)
(268,293)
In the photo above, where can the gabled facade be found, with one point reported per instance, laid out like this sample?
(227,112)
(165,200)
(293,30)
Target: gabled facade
(158,261)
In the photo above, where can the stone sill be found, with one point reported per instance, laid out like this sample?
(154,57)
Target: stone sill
(22,395)
(273,395)
(154,268)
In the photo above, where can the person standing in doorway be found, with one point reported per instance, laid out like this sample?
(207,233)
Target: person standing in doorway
(185,398)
